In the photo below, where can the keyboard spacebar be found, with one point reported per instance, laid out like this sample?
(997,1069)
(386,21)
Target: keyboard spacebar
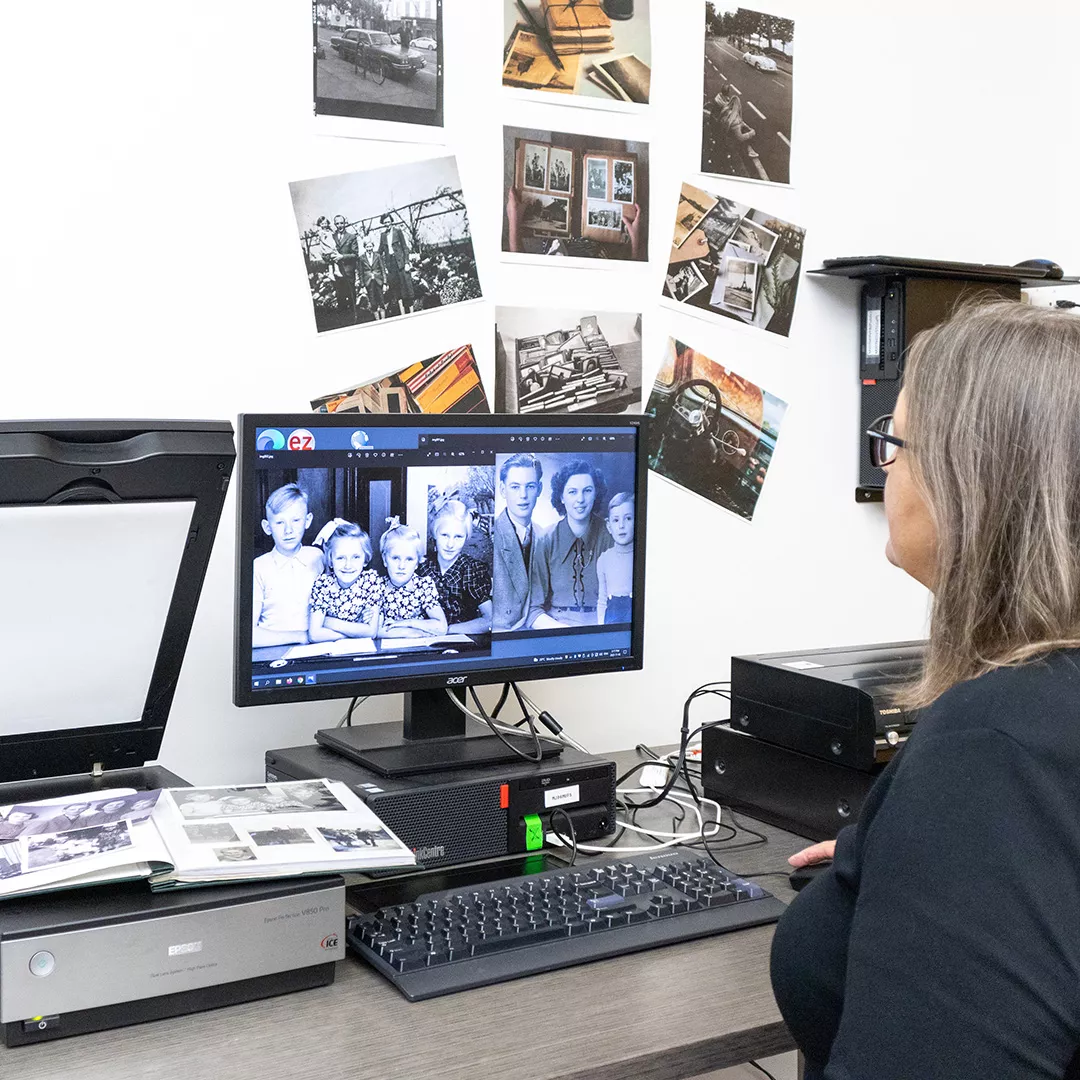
(518,941)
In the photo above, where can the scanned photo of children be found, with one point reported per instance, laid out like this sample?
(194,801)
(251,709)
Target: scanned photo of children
(216,832)
(386,243)
(386,68)
(748,62)
(351,839)
(624,181)
(561,170)
(567,361)
(581,53)
(732,261)
(713,432)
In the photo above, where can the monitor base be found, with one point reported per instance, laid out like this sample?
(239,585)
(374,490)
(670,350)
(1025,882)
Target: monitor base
(383,749)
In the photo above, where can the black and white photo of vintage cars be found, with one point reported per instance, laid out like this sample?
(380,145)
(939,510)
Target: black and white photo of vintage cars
(380,61)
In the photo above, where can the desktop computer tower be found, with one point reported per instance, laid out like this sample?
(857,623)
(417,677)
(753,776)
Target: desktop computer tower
(893,311)
(481,812)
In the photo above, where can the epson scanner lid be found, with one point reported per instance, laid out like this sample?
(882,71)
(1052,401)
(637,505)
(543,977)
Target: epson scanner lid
(106,529)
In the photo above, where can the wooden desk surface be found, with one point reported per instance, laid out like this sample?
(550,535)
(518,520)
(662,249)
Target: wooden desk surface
(676,1011)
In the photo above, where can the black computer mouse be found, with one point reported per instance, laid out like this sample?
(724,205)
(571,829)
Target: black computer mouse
(802,877)
(1050,268)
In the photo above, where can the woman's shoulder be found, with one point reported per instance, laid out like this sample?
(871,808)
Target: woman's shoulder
(1029,702)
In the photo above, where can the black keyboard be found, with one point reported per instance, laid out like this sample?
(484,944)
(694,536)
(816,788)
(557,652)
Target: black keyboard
(451,940)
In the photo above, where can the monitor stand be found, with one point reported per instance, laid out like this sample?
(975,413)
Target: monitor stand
(433,739)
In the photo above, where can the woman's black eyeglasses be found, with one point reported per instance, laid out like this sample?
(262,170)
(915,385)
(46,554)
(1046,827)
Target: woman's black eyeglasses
(883,441)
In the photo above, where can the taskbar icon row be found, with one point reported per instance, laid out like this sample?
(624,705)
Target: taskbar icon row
(593,654)
(285,680)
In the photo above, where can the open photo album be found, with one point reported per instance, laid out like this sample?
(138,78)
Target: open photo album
(192,836)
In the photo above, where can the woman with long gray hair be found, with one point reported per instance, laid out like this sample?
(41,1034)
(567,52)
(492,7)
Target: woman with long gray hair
(944,940)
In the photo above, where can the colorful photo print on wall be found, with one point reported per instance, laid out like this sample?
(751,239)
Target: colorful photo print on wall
(713,432)
(732,261)
(586,52)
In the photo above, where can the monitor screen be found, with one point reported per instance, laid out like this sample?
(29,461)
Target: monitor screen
(381,554)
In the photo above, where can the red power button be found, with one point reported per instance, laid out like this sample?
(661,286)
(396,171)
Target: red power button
(504,796)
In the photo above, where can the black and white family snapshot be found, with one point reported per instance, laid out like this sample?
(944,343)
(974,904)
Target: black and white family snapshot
(456,553)
(386,243)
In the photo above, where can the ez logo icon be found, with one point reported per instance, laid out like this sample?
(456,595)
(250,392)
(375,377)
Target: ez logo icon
(301,439)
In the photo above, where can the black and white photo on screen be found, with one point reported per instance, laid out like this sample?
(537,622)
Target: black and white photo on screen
(748,63)
(378,64)
(577,512)
(386,243)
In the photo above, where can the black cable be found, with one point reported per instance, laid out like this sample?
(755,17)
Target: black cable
(539,756)
(573,832)
(760,1069)
(501,702)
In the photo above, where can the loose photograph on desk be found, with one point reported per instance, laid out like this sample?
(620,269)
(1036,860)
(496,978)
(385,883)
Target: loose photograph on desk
(713,432)
(732,261)
(593,53)
(567,361)
(185,836)
(746,125)
(385,244)
(388,563)
(564,539)
(447,383)
(573,195)
(388,71)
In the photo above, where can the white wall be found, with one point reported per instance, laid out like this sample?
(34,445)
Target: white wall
(151,268)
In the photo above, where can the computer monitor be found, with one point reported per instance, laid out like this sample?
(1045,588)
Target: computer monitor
(383,554)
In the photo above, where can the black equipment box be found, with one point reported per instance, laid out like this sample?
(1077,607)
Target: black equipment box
(96,496)
(462,815)
(794,791)
(809,733)
(832,704)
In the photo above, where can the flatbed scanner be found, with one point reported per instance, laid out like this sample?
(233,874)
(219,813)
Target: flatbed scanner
(106,529)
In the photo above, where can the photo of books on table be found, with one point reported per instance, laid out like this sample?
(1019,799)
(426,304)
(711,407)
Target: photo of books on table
(178,837)
(598,49)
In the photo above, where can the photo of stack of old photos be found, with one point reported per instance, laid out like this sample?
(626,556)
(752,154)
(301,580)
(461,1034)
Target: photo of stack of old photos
(746,127)
(567,361)
(713,432)
(598,52)
(574,195)
(379,60)
(188,836)
(449,383)
(386,243)
(730,260)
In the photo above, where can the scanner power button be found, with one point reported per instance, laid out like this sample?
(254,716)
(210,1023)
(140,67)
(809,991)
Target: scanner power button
(42,964)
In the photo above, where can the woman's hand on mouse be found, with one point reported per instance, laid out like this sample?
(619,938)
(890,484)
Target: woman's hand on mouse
(815,853)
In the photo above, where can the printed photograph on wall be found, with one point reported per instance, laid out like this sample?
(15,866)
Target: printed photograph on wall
(567,361)
(575,195)
(379,60)
(449,383)
(586,52)
(713,432)
(746,125)
(732,261)
(386,243)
